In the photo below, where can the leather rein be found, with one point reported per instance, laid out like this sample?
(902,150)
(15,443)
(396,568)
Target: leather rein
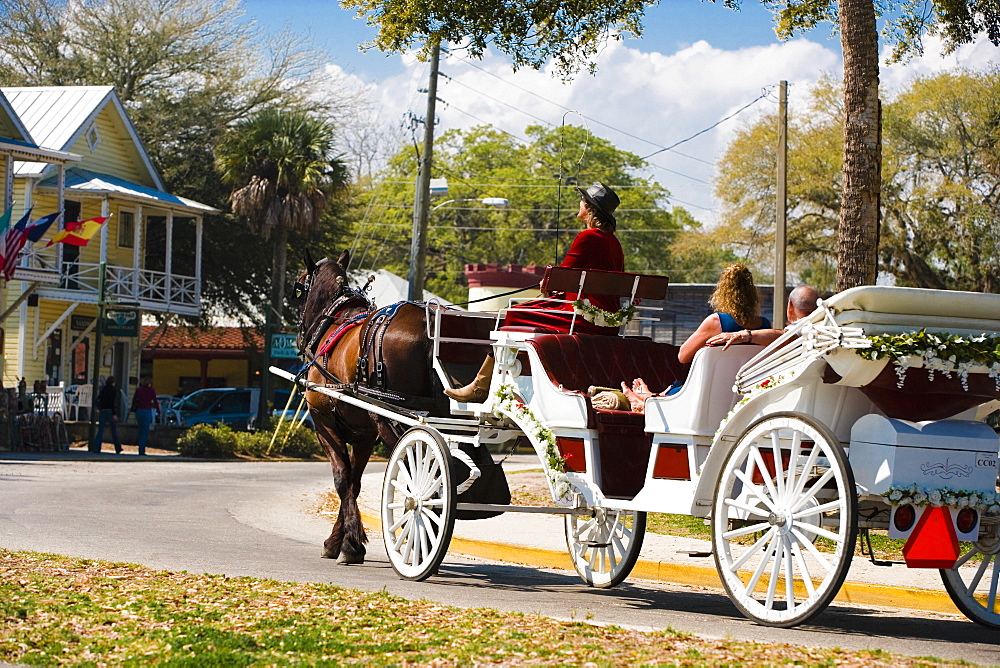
(309,337)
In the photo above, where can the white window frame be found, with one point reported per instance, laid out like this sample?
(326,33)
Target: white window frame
(93,137)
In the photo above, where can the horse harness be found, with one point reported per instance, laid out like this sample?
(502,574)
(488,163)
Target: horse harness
(309,339)
(376,324)
(370,346)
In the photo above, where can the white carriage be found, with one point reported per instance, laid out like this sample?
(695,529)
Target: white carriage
(789,452)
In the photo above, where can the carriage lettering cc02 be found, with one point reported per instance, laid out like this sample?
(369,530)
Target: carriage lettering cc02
(986,460)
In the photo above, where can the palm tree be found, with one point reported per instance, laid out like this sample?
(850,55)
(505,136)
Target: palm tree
(862,180)
(283,170)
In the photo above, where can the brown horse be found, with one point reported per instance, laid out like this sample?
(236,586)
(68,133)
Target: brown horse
(400,356)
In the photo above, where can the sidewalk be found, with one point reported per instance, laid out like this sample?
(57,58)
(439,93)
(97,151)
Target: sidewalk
(80,453)
(536,539)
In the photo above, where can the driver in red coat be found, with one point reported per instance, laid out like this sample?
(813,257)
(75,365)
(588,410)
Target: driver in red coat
(596,247)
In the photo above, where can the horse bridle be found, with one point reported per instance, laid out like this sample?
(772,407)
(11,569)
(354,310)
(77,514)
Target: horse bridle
(309,339)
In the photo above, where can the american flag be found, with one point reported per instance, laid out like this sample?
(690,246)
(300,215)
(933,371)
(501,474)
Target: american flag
(13,241)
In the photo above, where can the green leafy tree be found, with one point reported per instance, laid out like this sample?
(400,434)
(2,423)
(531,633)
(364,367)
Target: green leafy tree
(537,178)
(939,193)
(941,206)
(571,34)
(186,70)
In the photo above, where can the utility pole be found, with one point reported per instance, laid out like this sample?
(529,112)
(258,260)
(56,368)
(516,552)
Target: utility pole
(421,201)
(780,197)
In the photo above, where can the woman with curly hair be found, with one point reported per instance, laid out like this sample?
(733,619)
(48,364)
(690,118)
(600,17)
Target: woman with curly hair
(737,309)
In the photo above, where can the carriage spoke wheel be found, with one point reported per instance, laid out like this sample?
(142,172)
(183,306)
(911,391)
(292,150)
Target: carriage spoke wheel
(974,582)
(605,547)
(784,521)
(418,504)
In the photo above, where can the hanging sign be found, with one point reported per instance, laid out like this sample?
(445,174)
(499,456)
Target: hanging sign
(80,322)
(283,346)
(121,321)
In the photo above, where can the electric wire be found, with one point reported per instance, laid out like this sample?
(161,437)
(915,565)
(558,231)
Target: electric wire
(764,94)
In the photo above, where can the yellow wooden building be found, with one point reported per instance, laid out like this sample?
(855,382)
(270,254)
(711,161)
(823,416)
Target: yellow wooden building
(73,148)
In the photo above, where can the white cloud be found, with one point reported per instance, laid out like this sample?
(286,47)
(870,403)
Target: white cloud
(642,99)
(976,55)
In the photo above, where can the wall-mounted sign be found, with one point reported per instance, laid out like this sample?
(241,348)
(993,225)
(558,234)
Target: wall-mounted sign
(80,322)
(283,346)
(119,321)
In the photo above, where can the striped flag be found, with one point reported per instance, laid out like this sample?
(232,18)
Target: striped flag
(78,234)
(13,241)
(5,218)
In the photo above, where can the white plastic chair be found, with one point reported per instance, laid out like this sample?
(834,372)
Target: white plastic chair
(55,400)
(83,400)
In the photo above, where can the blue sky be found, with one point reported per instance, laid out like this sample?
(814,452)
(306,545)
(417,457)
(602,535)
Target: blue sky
(668,27)
(696,64)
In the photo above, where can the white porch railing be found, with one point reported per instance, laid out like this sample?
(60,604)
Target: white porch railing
(80,281)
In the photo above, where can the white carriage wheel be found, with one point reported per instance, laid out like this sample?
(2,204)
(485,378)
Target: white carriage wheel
(767,518)
(974,582)
(605,547)
(418,504)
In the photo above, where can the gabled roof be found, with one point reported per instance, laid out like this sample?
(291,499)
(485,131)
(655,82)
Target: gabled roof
(57,116)
(92,183)
(22,132)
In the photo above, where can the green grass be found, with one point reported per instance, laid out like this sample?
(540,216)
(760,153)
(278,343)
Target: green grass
(58,610)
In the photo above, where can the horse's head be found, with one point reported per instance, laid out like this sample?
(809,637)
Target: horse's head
(325,292)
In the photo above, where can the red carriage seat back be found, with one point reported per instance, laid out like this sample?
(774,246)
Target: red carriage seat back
(557,316)
(577,362)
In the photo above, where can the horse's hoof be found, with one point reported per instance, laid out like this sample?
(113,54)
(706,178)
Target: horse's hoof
(349,558)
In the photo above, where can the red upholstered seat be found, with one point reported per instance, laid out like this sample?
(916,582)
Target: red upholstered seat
(578,361)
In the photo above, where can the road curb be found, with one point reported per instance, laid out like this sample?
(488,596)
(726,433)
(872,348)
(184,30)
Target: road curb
(854,593)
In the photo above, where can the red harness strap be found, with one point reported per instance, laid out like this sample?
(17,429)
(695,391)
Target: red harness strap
(344,327)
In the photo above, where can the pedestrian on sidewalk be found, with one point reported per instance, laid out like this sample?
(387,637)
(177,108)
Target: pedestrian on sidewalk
(107,406)
(144,402)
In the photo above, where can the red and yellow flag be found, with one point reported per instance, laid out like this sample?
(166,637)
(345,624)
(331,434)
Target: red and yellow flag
(78,234)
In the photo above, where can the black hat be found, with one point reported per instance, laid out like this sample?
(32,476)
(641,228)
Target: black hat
(602,198)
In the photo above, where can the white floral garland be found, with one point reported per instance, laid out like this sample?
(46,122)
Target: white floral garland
(938,352)
(912,495)
(508,401)
(602,318)
(768,383)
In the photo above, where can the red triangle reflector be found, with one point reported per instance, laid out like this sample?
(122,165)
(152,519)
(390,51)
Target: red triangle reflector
(933,543)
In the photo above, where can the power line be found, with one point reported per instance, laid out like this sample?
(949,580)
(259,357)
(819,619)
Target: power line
(714,125)
(764,93)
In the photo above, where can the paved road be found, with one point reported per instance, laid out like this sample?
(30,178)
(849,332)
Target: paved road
(256,519)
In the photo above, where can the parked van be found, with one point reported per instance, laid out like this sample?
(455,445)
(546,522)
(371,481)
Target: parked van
(235,406)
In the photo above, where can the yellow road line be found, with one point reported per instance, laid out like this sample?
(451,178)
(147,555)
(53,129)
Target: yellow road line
(855,593)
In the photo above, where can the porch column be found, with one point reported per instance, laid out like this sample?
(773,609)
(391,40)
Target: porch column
(61,187)
(168,264)
(204,372)
(105,212)
(8,180)
(140,221)
(197,254)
